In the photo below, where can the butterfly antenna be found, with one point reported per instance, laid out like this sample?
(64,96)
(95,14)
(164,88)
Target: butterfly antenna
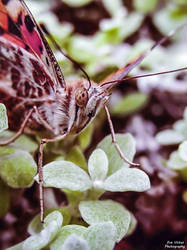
(45,30)
(145,75)
(121,73)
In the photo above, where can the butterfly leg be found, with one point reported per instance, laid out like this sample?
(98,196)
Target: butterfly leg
(40,171)
(20,131)
(114,140)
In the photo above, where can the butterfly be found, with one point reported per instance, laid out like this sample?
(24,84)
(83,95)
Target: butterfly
(33,88)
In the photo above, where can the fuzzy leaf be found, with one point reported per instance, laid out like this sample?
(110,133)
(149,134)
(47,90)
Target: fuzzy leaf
(98,165)
(185,114)
(175,162)
(127,145)
(64,174)
(183,151)
(4,198)
(181,127)
(3,118)
(132,225)
(76,156)
(145,6)
(77,3)
(52,224)
(85,136)
(64,233)
(35,226)
(23,142)
(74,242)
(17,167)
(129,104)
(101,236)
(169,137)
(94,212)
(127,179)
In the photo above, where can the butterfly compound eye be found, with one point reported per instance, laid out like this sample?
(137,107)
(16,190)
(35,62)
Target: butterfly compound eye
(81,97)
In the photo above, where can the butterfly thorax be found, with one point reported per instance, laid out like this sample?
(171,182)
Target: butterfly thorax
(78,105)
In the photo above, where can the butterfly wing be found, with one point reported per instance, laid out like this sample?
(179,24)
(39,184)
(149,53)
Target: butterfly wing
(111,80)
(18,26)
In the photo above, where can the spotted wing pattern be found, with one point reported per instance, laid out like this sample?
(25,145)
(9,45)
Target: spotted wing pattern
(19,27)
(29,73)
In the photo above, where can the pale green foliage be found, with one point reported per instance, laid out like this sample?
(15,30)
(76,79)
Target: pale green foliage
(97,239)
(64,174)
(108,221)
(23,142)
(145,6)
(51,227)
(127,179)
(94,212)
(77,3)
(64,233)
(3,118)
(73,242)
(98,165)
(178,160)
(17,167)
(175,135)
(127,145)
(129,104)
(178,134)
(68,176)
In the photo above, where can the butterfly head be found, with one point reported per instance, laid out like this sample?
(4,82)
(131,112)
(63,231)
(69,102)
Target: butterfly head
(85,102)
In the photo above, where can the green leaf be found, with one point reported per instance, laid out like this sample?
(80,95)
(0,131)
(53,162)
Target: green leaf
(98,165)
(183,151)
(181,127)
(3,118)
(169,137)
(4,198)
(94,212)
(132,225)
(23,142)
(77,3)
(35,226)
(175,162)
(17,167)
(66,212)
(101,236)
(85,136)
(64,233)
(64,174)
(52,225)
(114,7)
(129,104)
(127,179)
(76,156)
(145,6)
(185,113)
(74,242)
(127,145)
(54,217)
